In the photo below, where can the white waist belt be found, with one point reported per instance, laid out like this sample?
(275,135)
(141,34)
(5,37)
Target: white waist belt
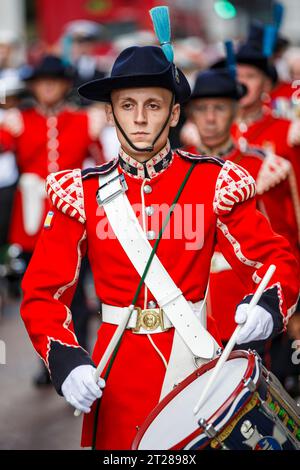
(148,321)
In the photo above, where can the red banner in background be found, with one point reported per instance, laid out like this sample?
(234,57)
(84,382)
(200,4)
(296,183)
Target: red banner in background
(52,15)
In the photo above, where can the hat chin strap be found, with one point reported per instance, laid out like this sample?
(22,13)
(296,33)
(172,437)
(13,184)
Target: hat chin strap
(151,147)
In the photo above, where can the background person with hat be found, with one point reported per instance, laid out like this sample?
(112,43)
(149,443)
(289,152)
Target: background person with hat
(10,50)
(78,49)
(42,137)
(212,108)
(11,89)
(256,124)
(143,95)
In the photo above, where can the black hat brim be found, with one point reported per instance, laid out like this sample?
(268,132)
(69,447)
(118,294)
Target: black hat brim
(36,75)
(101,89)
(217,82)
(261,65)
(238,93)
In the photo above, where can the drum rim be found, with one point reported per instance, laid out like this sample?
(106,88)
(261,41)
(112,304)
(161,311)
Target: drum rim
(197,373)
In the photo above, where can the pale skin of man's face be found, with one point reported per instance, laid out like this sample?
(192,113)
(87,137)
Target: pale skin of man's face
(256,83)
(142,112)
(213,118)
(295,69)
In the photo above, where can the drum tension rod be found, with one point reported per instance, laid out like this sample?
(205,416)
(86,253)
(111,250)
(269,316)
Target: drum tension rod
(209,430)
(249,384)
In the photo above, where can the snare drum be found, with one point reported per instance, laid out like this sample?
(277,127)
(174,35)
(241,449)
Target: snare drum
(247,409)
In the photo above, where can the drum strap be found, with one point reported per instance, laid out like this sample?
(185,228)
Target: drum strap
(181,362)
(125,225)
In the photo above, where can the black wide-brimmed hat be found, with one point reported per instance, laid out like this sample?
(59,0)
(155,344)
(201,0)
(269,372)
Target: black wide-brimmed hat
(217,83)
(135,67)
(50,66)
(252,51)
(249,54)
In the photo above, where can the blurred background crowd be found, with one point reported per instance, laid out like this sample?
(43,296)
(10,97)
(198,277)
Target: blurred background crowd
(47,49)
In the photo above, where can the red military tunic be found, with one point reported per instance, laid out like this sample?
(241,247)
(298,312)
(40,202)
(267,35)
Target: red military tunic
(45,143)
(276,202)
(276,197)
(274,134)
(283,89)
(224,193)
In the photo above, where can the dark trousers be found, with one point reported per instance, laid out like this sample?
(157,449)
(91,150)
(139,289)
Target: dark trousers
(277,355)
(6,203)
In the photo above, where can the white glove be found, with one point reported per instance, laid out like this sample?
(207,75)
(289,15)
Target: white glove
(80,388)
(258,326)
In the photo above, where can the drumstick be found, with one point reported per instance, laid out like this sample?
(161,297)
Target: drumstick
(110,348)
(229,347)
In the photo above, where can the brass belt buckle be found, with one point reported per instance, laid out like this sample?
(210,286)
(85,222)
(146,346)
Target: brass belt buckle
(149,319)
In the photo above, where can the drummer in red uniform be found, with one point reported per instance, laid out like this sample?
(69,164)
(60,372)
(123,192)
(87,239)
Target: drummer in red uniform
(212,109)
(143,96)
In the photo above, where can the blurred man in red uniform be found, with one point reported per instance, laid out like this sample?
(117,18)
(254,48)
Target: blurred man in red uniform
(52,135)
(143,96)
(256,124)
(212,109)
(278,94)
